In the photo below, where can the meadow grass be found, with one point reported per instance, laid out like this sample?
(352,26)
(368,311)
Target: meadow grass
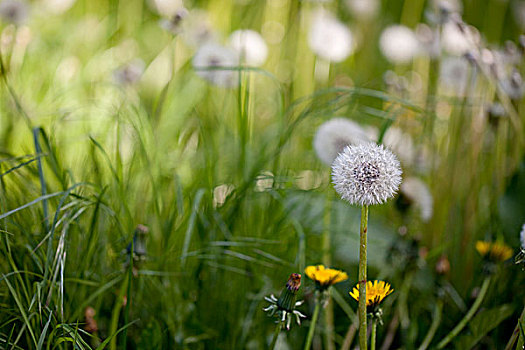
(230,188)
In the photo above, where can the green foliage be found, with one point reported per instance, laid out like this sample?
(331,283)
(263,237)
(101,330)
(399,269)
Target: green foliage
(484,322)
(229,186)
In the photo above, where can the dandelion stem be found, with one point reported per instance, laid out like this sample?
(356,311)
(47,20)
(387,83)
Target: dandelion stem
(327,261)
(128,294)
(275,335)
(373,335)
(468,316)
(362,278)
(311,331)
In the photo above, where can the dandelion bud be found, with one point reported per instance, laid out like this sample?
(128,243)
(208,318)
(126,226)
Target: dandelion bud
(284,307)
(442,265)
(287,298)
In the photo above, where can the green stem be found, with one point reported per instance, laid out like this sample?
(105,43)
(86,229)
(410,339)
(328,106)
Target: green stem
(128,297)
(362,278)
(433,327)
(468,316)
(373,335)
(311,331)
(275,335)
(327,261)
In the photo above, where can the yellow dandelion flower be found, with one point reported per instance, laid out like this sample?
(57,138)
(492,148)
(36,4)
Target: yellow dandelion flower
(324,277)
(376,292)
(496,251)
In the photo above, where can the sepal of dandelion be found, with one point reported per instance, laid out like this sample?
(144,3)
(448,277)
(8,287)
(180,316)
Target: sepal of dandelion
(284,306)
(520,258)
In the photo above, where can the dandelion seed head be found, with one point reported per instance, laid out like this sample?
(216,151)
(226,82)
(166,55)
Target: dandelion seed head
(513,85)
(366,174)
(418,193)
(129,73)
(329,38)
(166,8)
(363,9)
(175,23)
(458,38)
(250,46)
(209,57)
(454,73)
(334,135)
(14,11)
(196,29)
(399,44)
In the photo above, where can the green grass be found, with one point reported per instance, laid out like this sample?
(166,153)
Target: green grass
(83,161)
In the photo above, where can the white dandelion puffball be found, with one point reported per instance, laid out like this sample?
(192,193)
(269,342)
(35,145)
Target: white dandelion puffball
(197,29)
(398,44)
(366,174)
(14,11)
(334,135)
(329,38)
(522,236)
(454,74)
(210,56)
(458,41)
(365,9)
(166,8)
(129,73)
(250,45)
(418,193)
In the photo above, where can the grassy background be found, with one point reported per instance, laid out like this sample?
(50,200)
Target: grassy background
(84,161)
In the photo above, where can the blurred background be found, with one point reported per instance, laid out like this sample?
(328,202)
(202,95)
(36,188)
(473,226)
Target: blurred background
(163,168)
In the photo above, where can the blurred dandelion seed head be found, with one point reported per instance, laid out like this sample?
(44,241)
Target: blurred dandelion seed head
(208,60)
(458,38)
(14,11)
(175,23)
(418,193)
(129,73)
(366,174)
(398,44)
(250,46)
(197,30)
(166,8)
(329,38)
(334,135)
(454,73)
(363,9)
(513,85)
